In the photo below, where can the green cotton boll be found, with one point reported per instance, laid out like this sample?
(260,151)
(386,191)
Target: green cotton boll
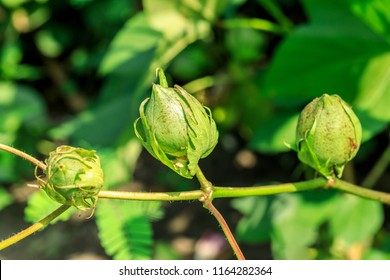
(73,177)
(165,114)
(328,135)
(176,128)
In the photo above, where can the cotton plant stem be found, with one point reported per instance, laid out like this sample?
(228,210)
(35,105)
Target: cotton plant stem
(206,198)
(205,185)
(223,192)
(153,196)
(217,192)
(220,192)
(23,155)
(225,228)
(34,228)
(362,192)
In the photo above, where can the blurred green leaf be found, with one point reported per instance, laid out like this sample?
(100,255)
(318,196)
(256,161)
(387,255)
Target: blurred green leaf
(5,198)
(381,250)
(118,164)
(128,63)
(375,254)
(373,99)
(100,126)
(22,115)
(192,62)
(326,55)
(245,44)
(13,3)
(296,223)
(375,14)
(164,251)
(21,104)
(39,205)
(79,3)
(356,219)
(111,14)
(11,66)
(124,228)
(135,37)
(255,225)
(273,136)
(342,50)
(176,18)
(49,42)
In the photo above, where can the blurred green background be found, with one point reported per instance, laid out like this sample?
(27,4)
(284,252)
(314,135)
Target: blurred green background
(74,72)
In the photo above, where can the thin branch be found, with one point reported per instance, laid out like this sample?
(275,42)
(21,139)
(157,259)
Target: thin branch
(220,192)
(23,155)
(161,196)
(207,189)
(226,230)
(35,227)
(205,185)
(362,192)
(217,192)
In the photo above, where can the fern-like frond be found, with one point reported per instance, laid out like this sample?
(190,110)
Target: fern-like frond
(125,230)
(39,205)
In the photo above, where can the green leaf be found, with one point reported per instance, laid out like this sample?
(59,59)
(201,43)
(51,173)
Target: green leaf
(118,164)
(131,72)
(175,18)
(100,126)
(21,110)
(11,68)
(382,248)
(356,219)
(375,14)
(344,50)
(244,44)
(125,231)
(5,198)
(135,37)
(19,105)
(164,251)
(39,205)
(255,226)
(192,63)
(375,254)
(275,135)
(296,222)
(127,66)
(373,99)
